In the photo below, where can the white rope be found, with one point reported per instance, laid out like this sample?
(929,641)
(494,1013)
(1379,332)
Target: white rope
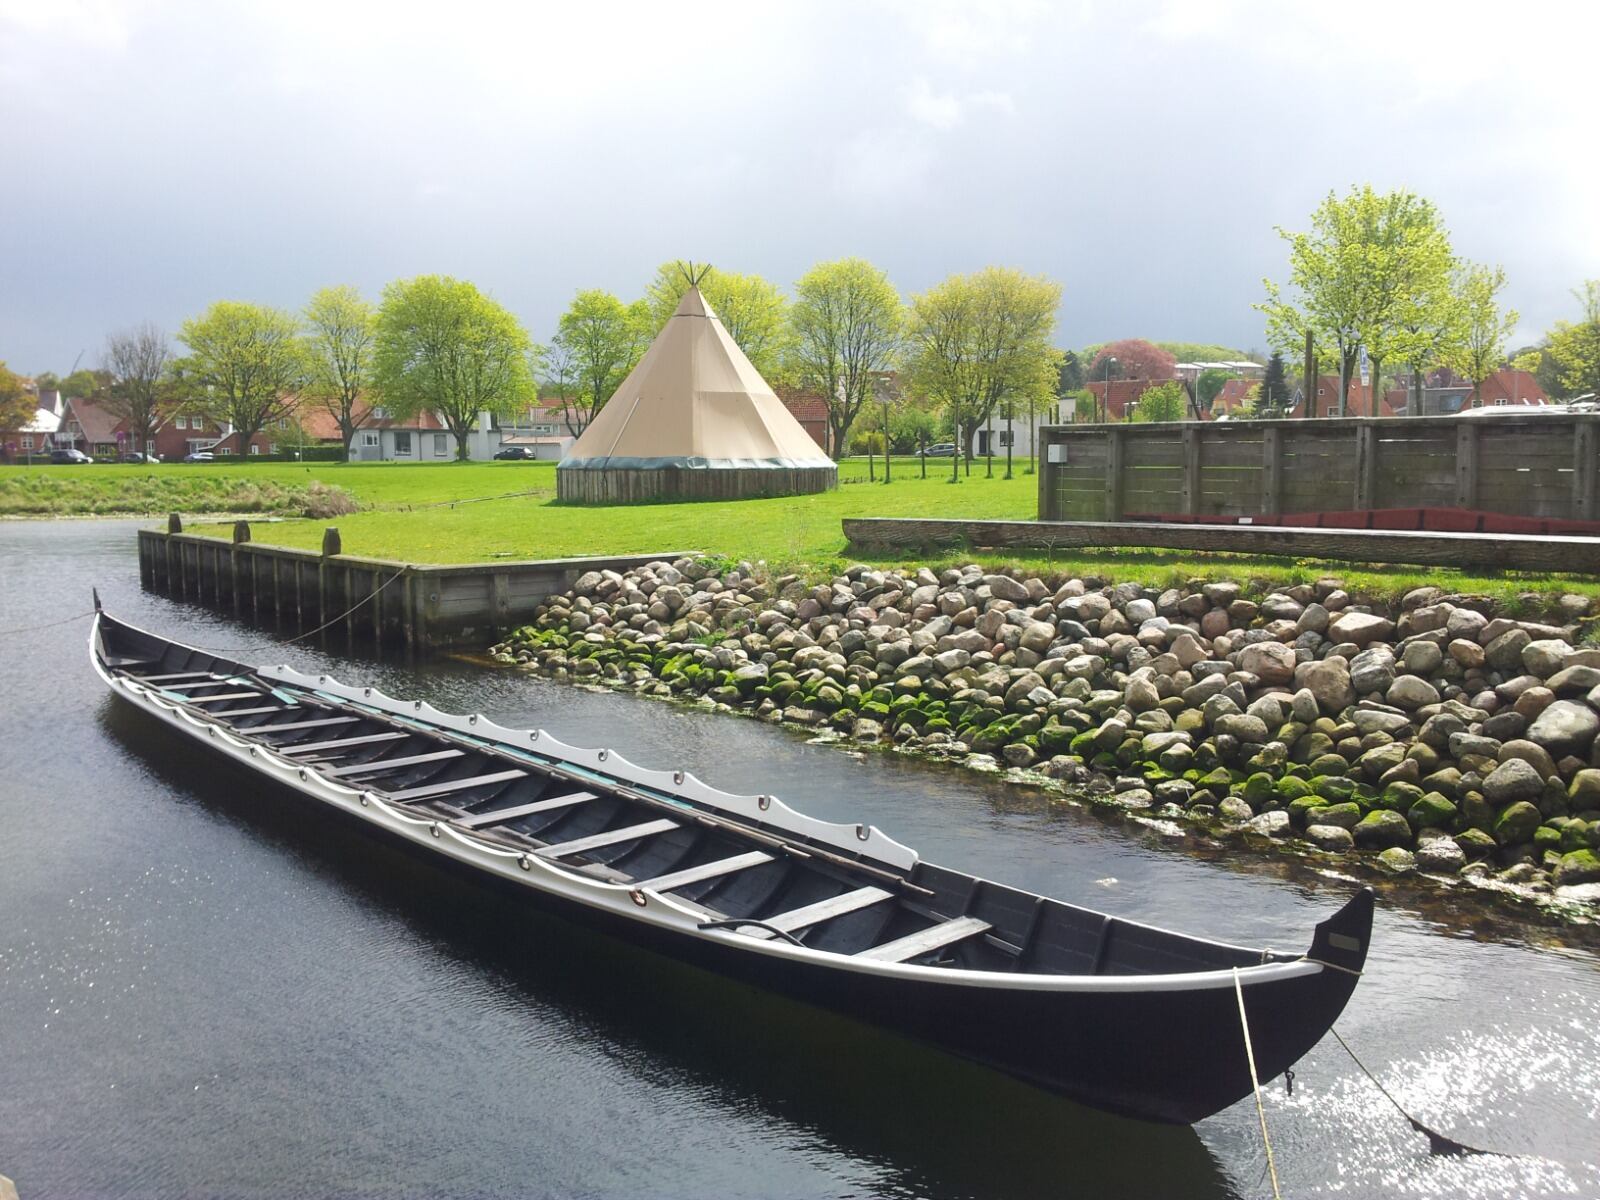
(1250,1057)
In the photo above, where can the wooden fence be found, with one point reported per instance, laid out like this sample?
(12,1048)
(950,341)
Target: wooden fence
(1533,464)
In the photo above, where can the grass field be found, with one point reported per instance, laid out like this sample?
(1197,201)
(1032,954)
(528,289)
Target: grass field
(468,512)
(482,511)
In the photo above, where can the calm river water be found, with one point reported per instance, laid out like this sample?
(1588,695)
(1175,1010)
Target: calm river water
(208,990)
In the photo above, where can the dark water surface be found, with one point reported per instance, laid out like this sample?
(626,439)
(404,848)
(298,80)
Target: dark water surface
(209,989)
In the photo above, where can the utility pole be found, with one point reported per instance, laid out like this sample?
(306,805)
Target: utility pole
(1308,383)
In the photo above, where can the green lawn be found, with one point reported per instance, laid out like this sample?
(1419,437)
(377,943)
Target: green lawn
(468,512)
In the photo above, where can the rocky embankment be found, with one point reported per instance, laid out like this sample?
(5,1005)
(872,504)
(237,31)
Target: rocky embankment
(1441,738)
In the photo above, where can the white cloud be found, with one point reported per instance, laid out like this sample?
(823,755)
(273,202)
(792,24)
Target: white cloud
(946,110)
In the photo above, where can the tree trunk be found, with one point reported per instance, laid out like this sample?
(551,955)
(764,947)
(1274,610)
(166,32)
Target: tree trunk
(461,435)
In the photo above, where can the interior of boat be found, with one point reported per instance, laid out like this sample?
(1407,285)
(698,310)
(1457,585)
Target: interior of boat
(763,883)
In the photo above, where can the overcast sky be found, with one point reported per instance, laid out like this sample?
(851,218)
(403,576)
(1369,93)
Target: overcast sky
(161,155)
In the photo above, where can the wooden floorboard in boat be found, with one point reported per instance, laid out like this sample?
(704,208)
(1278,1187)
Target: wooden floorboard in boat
(610,837)
(382,765)
(175,675)
(924,941)
(254,712)
(455,785)
(823,910)
(221,696)
(500,816)
(709,870)
(220,681)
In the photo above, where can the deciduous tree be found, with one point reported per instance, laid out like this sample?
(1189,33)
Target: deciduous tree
(1366,256)
(139,361)
(1210,383)
(1136,359)
(1576,347)
(600,339)
(244,366)
(1484,328)
(847,322)
(752,310)
(977,340)
(17,404)
(1164,402)
(445,347)
(342,334)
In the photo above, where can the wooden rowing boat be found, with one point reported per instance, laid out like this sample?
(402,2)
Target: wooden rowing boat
(1113,1013)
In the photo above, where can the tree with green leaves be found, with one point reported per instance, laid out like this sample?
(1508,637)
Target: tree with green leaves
(445,347)
(977,340)
(1164,402)
(342,334)
(18,405)
(1484,328)
(86,383)
(1367,256)
(1071,376)
(139,361)
(1210,383)
(847,323)
(245,365)
(599,340)
(752,310)
(1576,347)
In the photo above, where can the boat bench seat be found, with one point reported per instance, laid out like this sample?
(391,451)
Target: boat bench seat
(498,816)
(709,870)
(823,910)
(610,837)
(925,941)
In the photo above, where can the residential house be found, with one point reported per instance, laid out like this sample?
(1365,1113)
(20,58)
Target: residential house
(90,426)
(810,409)
(1122,394)
(1444,392)
(996,434)
(544,429)
(34,438)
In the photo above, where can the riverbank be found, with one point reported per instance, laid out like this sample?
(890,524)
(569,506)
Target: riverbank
(133,491)
(1438,737)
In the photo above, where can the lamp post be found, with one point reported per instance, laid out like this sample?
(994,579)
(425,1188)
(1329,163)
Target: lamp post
(1105,396)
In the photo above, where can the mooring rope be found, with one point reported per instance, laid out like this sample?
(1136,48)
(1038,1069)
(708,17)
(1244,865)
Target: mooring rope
(1437,1142)
(1255,1082)
(334,621)
(46,625)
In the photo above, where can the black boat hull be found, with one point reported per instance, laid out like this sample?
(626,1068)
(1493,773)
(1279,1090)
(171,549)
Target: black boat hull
(1155,1049)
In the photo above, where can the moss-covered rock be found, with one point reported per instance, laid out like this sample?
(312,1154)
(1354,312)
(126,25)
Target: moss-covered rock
(1382,828)
(1431,810)
(1516,823)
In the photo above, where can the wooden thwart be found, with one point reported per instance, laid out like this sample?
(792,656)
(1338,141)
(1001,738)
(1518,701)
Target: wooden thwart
(175,675)
(221,696)
(366,739)
(823,910)
(499,816)
(925,941)
(383,766)
(610,837)
(710,870)
(295,726)
(254,712)
(456,785)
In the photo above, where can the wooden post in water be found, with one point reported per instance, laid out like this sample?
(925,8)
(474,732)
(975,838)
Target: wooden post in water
(241,537)
(330,546)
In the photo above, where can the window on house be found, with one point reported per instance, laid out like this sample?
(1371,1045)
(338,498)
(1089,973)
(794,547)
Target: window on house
(226,451)
(369,438)
(27,441)
(380,414)
(272,448)
(255,448)
(1501,401)
(1005,436)
(180,423)
(441,446)
(402,443)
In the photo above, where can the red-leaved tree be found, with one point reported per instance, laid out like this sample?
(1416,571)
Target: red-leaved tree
(1136,359)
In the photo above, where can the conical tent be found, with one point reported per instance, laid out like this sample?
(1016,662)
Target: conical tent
(694,418)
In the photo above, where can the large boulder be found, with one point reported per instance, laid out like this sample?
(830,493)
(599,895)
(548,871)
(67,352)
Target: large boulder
(1382,829)
(1271,662)
(1565,727)
(1360,628)
(1003,587)
(1511,781)
(1328,681)
(1411,692)
(1516,824)
(1372,670)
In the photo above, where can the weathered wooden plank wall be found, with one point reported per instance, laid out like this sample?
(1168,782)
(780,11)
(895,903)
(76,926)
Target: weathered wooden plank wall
(627,486)
(1466,551)
(370,601)
(1531,464)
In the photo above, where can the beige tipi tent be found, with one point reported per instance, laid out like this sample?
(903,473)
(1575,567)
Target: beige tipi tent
(693,419)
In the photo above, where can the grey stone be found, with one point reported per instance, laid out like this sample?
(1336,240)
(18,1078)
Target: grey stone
(1037,636)
(1512,780)
(1376,721)
(1271,662)
(1440,856)
(1574,681)
(1372,670)
(1397,860)
(1504,653)
(1545,657)
(1003,587)
(1535,755)
(1273,823)
(1330,682)
(1565,727)
(1422,658)
(1334,838)
(1248,729)
(1360,628)
(1411,691)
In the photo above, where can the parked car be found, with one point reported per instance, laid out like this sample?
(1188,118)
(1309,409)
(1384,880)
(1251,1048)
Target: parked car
(938,450)
(134,456)
(199,456)
(514,452)
(70,457)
